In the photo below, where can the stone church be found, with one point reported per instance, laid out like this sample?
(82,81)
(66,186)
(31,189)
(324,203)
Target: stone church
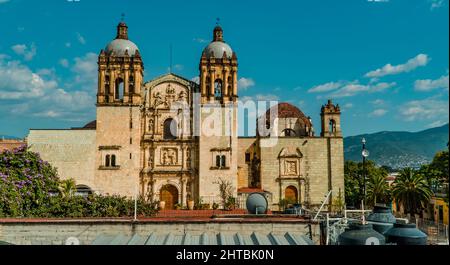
(173,140)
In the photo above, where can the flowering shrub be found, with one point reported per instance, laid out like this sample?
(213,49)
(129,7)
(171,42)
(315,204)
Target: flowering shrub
(30,187)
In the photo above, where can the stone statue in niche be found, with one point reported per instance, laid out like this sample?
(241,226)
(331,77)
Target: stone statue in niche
(172,157)
(182,96)
(158,99)
(165,159)
(150,161)
(150,125)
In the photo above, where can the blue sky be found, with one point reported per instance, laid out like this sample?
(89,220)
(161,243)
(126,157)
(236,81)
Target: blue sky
(384,61)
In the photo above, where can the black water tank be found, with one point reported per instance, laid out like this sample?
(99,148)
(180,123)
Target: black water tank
(382,219)
(359,234)
(406,234)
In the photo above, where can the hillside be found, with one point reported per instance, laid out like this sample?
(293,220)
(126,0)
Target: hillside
(399,149)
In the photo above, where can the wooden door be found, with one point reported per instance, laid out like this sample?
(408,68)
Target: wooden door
(291,194)
(169,194)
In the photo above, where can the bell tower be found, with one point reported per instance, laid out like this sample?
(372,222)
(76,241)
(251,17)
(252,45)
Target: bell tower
(218,71)
(120,78)
(218,123)
(331,120)
(120,71)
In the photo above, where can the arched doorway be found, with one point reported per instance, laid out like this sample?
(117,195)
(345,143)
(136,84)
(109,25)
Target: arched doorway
(291,194)
(169,194)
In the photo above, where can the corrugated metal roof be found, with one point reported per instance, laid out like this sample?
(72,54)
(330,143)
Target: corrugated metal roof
(254,238)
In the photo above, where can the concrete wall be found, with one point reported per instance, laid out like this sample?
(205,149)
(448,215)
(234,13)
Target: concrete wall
(56,233)
(72,152)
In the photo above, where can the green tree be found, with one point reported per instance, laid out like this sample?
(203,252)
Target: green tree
(412,190)
(67,188)
(378,190)
(353,175)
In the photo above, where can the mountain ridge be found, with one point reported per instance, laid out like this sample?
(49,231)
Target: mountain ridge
(399,149)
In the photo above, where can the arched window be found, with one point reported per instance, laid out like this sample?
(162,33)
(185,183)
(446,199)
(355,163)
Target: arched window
(332,126)
(218,161)
(170,129)
(218,89)
(113,160)
(108,161)
(83,190)
(119,89)
(223,161)
(288,133)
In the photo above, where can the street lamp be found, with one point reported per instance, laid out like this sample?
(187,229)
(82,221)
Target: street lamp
(365,154)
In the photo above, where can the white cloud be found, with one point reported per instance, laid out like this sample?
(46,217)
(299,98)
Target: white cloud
(426,109)
(411,64)
(266,97)
(64,63)
(200,40)
(86,70)
(348,106)
(355,88)
(437,123)
(37,93)
(377,102)
(81,39)
(436,4)
(325,87)
(68,44)
(196,79)
(378,1)
(378,113)
(4,1)
(19,82)
(27,52)
(244,83)
(429,84)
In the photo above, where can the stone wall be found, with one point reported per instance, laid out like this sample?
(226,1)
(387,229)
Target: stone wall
(72,152)
(321,161)
(56,233)
(118,133)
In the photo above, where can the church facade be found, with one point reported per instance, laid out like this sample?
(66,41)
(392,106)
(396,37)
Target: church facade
(173,140)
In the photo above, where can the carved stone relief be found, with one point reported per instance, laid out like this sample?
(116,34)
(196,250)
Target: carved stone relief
(169,156)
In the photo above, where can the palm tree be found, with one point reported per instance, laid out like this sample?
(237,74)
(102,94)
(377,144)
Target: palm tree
(67,188)
(412,191)
(378,190)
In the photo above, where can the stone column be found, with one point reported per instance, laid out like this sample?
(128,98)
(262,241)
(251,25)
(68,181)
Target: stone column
(112,85)
(211,83)
(126,86)
(225,91)
(183,193)
(235,82)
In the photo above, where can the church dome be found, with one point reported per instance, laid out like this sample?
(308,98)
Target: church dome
(286,110)
(218,46)
(120,46)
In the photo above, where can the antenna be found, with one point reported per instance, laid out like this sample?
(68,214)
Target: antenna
(218,21)
(170,59)
(122,17)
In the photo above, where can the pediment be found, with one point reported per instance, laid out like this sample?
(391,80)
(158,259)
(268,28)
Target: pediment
(290,151)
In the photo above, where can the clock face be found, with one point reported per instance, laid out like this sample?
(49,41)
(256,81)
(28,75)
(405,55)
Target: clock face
(365,153)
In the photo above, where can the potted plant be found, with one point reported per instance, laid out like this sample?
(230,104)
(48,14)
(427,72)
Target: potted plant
(190,203)
(177,206)
(215,206)
(162,205)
